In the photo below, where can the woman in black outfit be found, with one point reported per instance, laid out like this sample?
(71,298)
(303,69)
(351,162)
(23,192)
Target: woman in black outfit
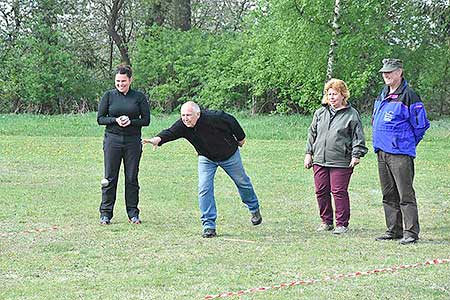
(124,111)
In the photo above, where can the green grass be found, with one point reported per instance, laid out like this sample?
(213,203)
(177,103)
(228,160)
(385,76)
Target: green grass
(50,172)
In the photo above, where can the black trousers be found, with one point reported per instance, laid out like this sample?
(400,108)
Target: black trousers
(399,200)
(115,149)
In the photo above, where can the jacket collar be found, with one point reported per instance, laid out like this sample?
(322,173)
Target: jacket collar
(403,85)
(116,92)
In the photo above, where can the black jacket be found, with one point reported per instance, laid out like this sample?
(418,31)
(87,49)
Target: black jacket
(115,104)
(215,134)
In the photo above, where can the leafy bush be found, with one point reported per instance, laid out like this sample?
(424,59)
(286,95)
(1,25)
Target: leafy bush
(277,63)
(46,78)
(42,70)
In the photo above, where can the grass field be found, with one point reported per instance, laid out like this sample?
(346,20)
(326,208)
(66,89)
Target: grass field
(50,172)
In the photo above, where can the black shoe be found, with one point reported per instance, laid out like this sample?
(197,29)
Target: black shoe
(388,237)
(407,240)
(104,220)
(256,218)
(209,233)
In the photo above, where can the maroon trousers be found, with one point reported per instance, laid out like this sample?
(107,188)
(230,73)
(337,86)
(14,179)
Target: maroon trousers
(334,181)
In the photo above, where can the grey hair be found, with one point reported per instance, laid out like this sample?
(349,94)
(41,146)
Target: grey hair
(193,105)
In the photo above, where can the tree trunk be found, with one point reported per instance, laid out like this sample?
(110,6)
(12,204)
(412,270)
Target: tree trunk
(112,31)
(445,96)
(333,43)
(17,20)
(111,52)
(181,14)
(157,13)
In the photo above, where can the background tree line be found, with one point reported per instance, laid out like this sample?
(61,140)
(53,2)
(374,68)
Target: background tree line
(264,56)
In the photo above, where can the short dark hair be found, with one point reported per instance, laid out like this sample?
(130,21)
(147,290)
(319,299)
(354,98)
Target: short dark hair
(124,69)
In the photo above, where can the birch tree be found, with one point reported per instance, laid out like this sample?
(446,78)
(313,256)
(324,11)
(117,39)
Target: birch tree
(334,40)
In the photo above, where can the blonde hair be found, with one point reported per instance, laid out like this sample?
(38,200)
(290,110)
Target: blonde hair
(338,85)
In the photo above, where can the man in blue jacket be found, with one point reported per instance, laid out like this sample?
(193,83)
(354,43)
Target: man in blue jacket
(399,123)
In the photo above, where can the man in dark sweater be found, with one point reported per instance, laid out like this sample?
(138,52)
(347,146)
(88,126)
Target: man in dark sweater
(216,137)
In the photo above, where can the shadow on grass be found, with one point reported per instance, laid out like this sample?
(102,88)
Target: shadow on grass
(444,241)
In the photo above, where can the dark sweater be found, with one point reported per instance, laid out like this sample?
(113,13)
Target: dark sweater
(115,104)
(215,134)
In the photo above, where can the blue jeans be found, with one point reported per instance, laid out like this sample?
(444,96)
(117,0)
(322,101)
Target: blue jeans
(206,172)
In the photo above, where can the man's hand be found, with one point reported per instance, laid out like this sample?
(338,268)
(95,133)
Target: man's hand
(123,121)
(154,141)
(308,161)
(241,143)
(354,162)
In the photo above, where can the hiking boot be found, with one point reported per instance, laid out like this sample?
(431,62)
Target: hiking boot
(256,218)
(104,220)
(340,230)
(325,227)
(134,220)
(209,233)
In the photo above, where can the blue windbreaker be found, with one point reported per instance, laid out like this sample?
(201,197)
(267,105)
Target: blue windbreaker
(399,121)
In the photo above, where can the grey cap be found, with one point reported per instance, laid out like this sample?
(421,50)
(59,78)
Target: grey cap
(391,64)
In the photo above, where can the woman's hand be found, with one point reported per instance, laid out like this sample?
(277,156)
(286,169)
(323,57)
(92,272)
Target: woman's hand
(123,121)
(354,162)
(308,161)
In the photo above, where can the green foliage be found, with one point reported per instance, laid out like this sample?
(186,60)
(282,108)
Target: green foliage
(169,65)
(48,79)
(43,73)
(272,58)
(277,63)
(266,71)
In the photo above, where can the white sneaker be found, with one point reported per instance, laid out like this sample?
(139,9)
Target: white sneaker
(340,230)
(325,227)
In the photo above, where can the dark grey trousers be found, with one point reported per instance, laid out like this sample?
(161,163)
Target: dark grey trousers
(399,200)
(115,149)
